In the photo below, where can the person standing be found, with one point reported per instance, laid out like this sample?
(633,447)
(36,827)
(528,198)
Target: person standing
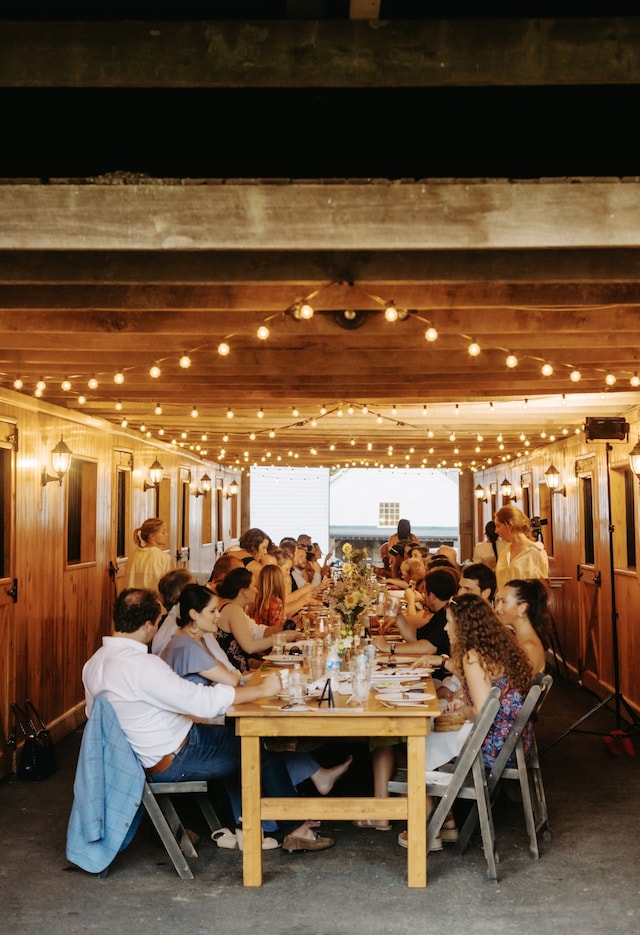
(524,558)
(150,559)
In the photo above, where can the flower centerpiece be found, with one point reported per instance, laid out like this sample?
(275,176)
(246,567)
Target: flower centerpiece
(352,594)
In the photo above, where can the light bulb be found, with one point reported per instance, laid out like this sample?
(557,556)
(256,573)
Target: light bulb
(610,379)
(65,385)
(229,413)
(511,361)
(262,332)
(158,409)
(118,406)
(118,377)
(92,383)
(391,312)
(634,380)
(431,334)
(473,349)
(185,361)
(260,413)
(223,349)
(82,400)
(155,371)
(194,413)
(41,385)
(575,376)
(18,383)
(546,370)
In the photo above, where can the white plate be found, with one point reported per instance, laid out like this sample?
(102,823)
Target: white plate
(404,703)
(392,681)
(283,660)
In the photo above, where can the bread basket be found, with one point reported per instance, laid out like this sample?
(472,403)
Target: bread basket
(447,722)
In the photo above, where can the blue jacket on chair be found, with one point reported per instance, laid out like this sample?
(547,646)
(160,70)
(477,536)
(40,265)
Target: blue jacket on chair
(107,792)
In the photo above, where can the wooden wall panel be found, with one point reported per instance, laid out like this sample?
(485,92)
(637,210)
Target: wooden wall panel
(64,610)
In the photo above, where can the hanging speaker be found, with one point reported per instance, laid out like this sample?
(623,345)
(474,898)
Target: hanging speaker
(599,429)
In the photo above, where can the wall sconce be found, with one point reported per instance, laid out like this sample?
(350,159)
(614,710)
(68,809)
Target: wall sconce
(552,478)
(61,460)
(634,459)
(156,473)
(480,494)
(232,490)
(505,490)
(206,486)
(493,488)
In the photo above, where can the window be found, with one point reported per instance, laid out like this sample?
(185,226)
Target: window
(586,514)
(5,512)
(81,511)
(543,524)
(389,514)
(122,464)
(207,528)
(623,517)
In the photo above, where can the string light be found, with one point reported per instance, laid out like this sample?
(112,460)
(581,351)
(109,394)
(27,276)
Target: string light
(260,413)
(118,406)
(306,311)
(158,409)
(18,383)
(634,380)
(185,361)
(155,371)
(223,349)
(92,383)
(118,377)
(546,370)
(610,379)
(575,376)
(229,413)
(511,361)
(474,349)
(391,312)
(82,400)
(194,413)
(65,385)
(294,412)
(262,333)
(431,335)
(41,385)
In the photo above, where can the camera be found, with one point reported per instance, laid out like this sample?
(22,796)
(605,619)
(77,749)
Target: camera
(536,525)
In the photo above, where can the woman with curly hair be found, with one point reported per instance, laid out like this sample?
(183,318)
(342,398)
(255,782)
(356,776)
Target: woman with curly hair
(524,607)
(524,557)
(484,654)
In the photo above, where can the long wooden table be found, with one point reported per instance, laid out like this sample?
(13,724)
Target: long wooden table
(266,719)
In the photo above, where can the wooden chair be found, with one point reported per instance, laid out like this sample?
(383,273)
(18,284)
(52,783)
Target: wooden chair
(464,779)
(526,772)
(156,798)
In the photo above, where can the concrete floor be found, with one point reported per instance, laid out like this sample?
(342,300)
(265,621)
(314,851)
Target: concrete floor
(586,881)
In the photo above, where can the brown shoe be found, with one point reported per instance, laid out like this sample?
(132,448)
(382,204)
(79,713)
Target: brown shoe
(292,843)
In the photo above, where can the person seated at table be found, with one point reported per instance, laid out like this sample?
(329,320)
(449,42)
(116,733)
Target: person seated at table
(170,587)
(235,634)
(253,546)
(478,578)
(189,655)
(424,632)
(268,607)
(160,712)
(294,601)
(524,607)
(484,654)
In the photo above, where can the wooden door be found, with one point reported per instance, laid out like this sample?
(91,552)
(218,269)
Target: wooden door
(121,500)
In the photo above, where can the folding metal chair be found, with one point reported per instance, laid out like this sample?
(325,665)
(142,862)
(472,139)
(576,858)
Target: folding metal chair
(465,779)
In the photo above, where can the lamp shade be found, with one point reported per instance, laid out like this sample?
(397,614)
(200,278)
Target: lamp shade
(61,458)
(552,477)
(156,472)
(505,487)
(634,459)
(479,492)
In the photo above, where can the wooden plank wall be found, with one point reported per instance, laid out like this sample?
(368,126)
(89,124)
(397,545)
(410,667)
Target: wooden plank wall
(587,643)
(63,611)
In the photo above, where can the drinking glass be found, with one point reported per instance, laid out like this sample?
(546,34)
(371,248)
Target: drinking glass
(279,643)
(297,686)
(361,685)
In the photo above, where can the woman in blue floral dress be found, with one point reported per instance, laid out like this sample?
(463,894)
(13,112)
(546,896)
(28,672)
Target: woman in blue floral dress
(484,653)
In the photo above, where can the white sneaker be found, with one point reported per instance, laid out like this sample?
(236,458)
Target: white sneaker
(268,844)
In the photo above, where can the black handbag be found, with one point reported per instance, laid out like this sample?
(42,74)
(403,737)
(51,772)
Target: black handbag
(37,759)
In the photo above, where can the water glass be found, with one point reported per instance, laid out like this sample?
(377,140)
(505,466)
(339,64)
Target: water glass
(361,685)
(279,643)
(297,686)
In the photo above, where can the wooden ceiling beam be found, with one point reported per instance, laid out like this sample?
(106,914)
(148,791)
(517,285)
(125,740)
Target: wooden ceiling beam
(321,53)
(361,217)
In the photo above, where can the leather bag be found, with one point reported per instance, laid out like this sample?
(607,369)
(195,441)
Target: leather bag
(36,760)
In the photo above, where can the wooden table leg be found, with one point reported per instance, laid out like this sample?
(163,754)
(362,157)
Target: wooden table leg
(251,826)
(417,809)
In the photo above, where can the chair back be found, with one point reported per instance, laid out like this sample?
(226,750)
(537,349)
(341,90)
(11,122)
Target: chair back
(531,705)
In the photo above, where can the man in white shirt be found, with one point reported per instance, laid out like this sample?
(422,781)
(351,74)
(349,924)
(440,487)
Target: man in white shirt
(156,708)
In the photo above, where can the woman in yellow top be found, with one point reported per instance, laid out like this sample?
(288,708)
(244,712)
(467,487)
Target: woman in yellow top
(524,558)
(150,560)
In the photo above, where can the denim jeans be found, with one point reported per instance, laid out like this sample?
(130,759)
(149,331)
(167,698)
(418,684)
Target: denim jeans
(213,752)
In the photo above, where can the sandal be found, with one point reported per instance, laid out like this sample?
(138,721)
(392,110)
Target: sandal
(366,823)
(403,841)
(223,837)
